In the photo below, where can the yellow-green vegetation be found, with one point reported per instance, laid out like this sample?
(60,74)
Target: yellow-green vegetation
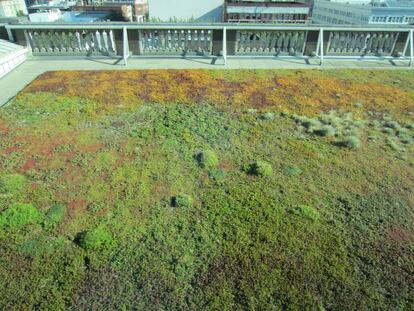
(208,190)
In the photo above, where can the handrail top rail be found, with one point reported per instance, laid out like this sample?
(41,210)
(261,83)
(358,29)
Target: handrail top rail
(201,26)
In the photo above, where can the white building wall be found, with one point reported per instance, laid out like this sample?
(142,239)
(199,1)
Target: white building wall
(359,13)
(11,56)
(182,10)
(328,12)
(11,8)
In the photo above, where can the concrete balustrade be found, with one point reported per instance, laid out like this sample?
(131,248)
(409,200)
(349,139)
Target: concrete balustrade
(214,40)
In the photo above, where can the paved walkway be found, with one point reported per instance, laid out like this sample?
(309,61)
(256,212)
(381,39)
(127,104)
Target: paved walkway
(15,81)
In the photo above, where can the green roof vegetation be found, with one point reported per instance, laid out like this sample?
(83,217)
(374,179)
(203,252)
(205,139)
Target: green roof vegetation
(212,190)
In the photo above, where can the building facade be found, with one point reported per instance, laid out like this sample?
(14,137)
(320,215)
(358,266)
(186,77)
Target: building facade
(138,8)
(12,8)
(266,11)
(186,10)
(357,12)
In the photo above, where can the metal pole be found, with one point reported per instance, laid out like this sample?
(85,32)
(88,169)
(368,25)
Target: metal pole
(411,47)
(225,45)
(321,45)
(125,45)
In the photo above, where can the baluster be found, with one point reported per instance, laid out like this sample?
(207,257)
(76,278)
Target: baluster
(111,40)
(38,41)
(33,41)
(77,42)
(181,40)
(381,43)
(196,41)
(177,42)
(335,42)
(65,43)
(285,42)
(294,42)
(345,42)
(71,41)
(368,48)
(342,42)
(105,41)
(145,41)
(45,41)
(300,42)
(98,41)
(389,43)
(242,43)
(202,40)
(360,43)
(57,39)
(153,43)
(279,42)
(374,47)
(209,41)
(168,37)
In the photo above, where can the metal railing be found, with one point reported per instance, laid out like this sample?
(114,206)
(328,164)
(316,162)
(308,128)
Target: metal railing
(224,40)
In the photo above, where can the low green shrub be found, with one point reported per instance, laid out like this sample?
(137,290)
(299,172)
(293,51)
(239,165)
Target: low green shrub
(182,200)
(12,183)
(251,111)
(268,116)
(325,130)
(306,211)
(54,215)
(208,159)
(291,170)
(392,143)
(42,245)
(217,174)
(311,123)
(392,124)
(261,168)
(96,238)
(351,142)
(388,130)
(19,215)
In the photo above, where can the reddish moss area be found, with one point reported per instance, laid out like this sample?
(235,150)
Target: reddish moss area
(308,93)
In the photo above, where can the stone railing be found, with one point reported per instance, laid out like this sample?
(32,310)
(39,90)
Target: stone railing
(215,40)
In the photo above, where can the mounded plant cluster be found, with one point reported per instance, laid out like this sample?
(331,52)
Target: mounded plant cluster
(342,126)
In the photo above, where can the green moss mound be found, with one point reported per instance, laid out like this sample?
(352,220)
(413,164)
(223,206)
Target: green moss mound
(261,168)
(351,142)
(307,212)
(19,215)
(12,183)
(55,215)
(208,159)
(96,238)
(182,200)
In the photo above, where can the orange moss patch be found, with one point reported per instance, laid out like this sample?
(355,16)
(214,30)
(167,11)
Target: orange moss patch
(299,93)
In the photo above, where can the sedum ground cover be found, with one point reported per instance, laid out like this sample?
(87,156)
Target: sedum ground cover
(208,190)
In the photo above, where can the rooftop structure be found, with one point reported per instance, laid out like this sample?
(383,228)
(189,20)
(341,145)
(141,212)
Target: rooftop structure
(363,12)
(127,10)
(11,55)
(266,11)
(186,10)
(55,15)
(12,8)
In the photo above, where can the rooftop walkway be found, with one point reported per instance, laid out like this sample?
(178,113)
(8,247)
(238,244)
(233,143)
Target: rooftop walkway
(16,80)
